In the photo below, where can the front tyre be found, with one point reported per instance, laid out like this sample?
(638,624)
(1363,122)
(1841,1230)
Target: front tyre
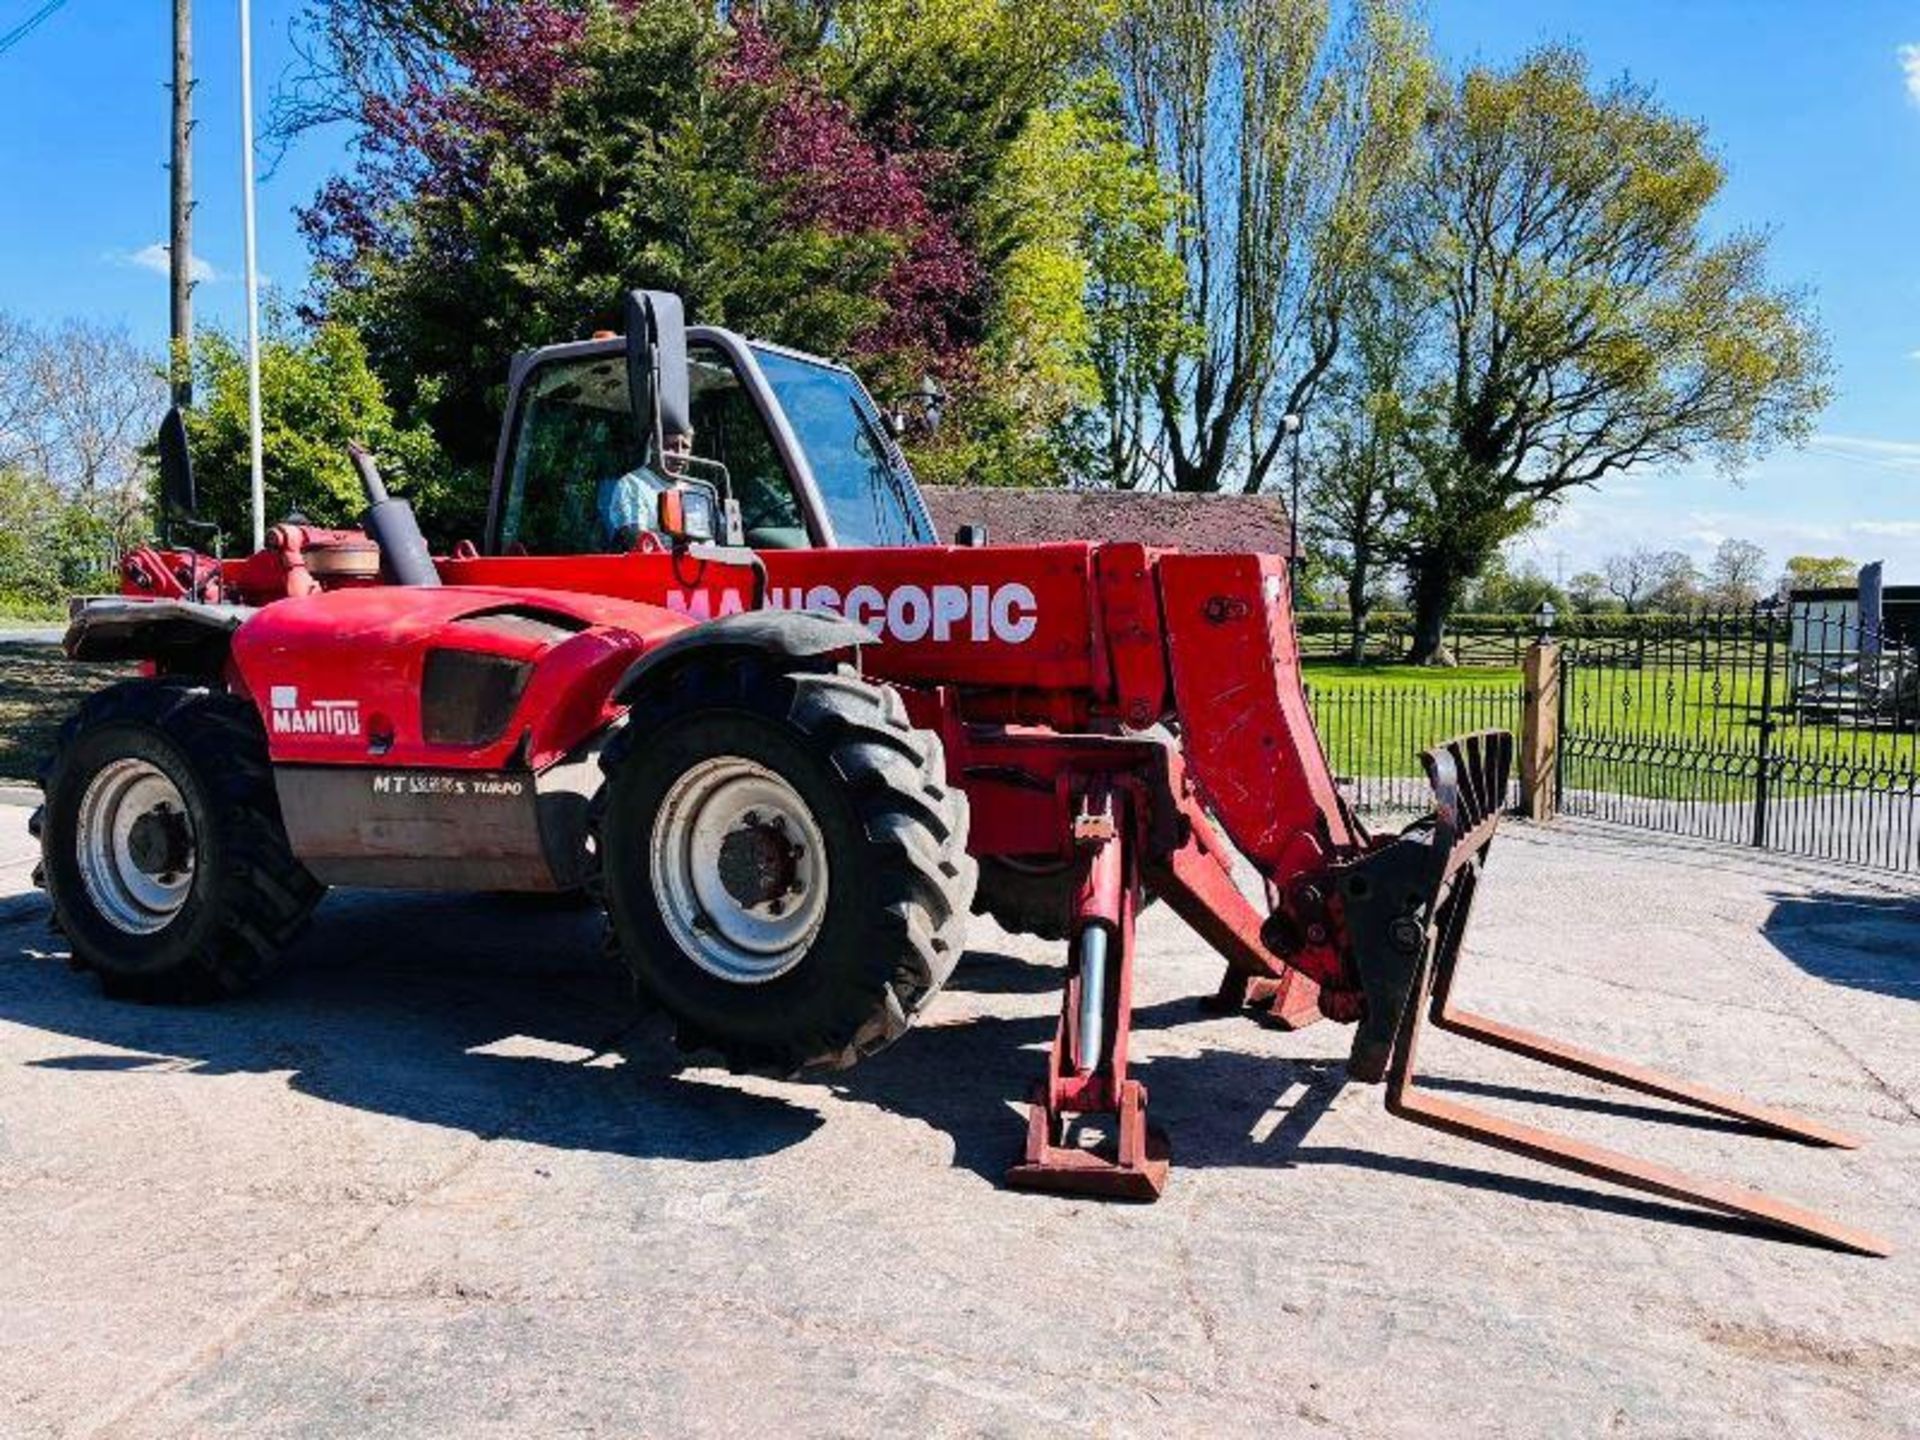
(784,864)
(162,847)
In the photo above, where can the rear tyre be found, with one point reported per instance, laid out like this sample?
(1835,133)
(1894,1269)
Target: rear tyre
(784,864)
(1031,895)
(1027,896)
(162,846)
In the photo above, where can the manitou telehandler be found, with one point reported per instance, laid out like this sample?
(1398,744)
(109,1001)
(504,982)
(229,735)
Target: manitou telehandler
(710,663)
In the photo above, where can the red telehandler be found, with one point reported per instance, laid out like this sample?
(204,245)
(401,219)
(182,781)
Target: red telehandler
(711,664)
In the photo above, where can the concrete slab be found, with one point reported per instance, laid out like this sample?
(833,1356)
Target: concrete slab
(439,1177)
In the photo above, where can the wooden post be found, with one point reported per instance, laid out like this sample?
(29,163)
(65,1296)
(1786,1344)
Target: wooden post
(1539,729)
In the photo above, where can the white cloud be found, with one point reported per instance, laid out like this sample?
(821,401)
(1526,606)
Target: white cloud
(1910,67)
(1890,529)
(157,258)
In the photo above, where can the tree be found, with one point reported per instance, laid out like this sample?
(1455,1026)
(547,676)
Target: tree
(1084,306)
(29,526)
(1644,579)
(1736,574)
(1819,572)
(1504,588)
(1286,144)
(1357,457)
(1588,593)
(1581,322)
(842,177)
(78,403)
(318,392)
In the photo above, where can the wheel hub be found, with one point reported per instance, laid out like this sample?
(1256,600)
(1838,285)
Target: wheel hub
(135,845)
(159,842)
(739,869)
(759,865)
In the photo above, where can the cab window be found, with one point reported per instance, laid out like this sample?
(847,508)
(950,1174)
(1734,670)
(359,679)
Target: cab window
(578,484)
(862,478)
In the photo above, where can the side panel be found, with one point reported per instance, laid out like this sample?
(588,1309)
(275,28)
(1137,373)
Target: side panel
(420,829)
(1248,735)
(1013,617)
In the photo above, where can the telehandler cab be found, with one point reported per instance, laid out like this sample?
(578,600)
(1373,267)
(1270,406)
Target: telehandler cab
(710,663)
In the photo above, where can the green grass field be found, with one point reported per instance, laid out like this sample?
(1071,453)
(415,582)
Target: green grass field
(1678,732)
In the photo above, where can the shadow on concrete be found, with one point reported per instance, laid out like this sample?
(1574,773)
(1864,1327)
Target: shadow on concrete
(394,1006)
(529,1035)
(1865,942)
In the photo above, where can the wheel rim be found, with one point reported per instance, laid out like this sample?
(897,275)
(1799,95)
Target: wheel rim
(136,846)
(740,870)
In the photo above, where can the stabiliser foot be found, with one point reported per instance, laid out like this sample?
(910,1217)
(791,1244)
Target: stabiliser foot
(1409,957)
(1136,1171)
(1087,1067)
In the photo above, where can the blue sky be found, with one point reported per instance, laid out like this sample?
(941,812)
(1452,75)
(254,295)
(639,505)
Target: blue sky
(1813,107)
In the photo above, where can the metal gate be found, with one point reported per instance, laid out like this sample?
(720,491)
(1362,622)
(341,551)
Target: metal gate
(1797,734)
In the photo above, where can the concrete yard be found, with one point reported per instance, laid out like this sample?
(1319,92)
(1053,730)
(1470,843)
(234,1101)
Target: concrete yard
(438,1177)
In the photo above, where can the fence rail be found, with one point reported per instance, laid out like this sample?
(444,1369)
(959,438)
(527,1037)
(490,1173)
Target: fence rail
(1795,733)
(1374,733)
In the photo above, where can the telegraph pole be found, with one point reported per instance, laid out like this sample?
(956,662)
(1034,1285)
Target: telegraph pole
(180,234)
(253,276)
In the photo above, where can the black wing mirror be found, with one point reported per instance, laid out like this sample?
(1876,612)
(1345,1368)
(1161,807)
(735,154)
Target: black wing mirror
(176,468)
(657,381)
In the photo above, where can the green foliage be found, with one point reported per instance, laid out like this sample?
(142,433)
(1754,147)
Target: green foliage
(29,522)
(649,166)
(51,545)
(317,393)
(965,77)
(1820,572)
(1504,588)
(1086,303)
(1580,320)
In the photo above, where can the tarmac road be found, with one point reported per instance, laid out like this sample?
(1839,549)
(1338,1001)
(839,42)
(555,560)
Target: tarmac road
(438,1177)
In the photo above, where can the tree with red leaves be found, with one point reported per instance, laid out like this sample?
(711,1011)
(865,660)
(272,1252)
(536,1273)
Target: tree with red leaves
(567,154)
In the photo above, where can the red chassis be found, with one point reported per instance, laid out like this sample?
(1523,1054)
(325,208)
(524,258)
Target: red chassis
(1052,674)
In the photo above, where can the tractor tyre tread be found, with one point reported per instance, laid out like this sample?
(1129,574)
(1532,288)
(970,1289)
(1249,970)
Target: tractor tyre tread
(914,822)
(263,895)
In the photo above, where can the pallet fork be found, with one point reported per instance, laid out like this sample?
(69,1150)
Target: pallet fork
(1406,904)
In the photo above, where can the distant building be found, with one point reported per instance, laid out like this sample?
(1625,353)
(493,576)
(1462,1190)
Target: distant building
(1833,647)
(1215,524)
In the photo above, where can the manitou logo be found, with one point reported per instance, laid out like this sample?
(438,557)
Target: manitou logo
(907,613)
(316,717)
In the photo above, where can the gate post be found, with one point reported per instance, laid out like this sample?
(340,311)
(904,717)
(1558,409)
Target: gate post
(1539,728)
(1763,760)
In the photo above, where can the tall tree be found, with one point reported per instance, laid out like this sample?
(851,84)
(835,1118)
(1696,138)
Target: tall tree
(1286,141)
(1581,322)
(1818,572)
(840,177)
(1646,579)
(1736,574)
(1358,456)
(78,403)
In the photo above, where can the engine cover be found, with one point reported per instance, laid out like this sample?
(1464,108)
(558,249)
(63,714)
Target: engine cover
(451,678)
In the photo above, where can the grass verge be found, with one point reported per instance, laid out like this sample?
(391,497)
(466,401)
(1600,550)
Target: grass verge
(39,688)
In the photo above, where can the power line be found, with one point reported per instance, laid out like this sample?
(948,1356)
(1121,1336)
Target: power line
(1898,467)
(27,26)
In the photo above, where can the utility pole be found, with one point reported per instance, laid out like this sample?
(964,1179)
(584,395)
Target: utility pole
(253,276)
(180,235)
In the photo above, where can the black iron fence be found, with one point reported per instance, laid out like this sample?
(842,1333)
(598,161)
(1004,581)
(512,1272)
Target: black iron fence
(1797,732)
(1374,729)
